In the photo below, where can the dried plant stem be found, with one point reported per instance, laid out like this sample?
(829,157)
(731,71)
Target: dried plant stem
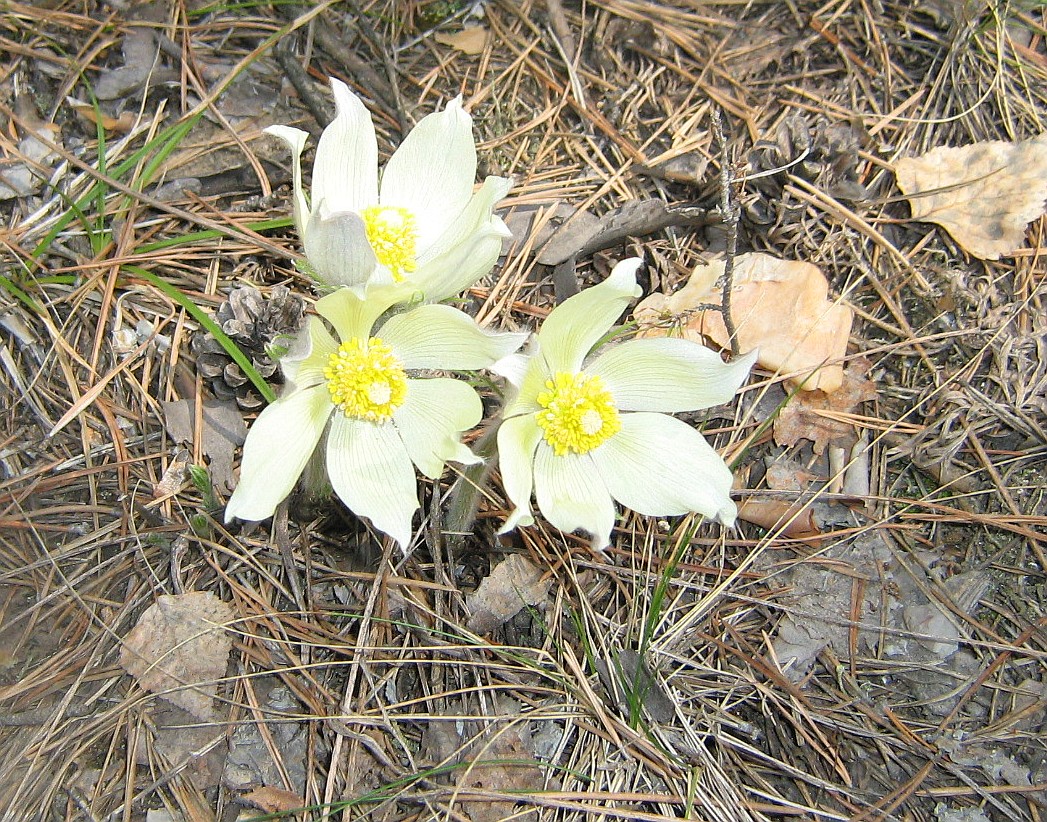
(730,214)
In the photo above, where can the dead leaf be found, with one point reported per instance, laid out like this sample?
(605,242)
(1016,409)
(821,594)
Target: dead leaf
(983,194)
(179,650)
(512,584)
(224,430)
(496,753)
(778,306)
(820,417)
(628,679)
(183,742)
(471,40)
(787,518)
(274,800)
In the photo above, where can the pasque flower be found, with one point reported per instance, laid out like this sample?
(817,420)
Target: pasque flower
(360,398)
(422,228)
(582,431)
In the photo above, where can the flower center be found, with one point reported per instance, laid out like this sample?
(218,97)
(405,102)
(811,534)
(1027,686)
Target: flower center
(578,413)
(366,380)
(393,234)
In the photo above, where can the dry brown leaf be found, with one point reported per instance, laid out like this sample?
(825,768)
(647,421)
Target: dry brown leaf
(815,415)
(274,800)
(179,650)
(471,40)
(778,306)
(984,194)
(512,584)
(784,517)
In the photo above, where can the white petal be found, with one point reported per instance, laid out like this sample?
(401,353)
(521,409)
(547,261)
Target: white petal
(571,495)
(450,274)
(442,337)
(578,323)
(336,247)
(432,419)
(345,172)
(518,438)
(372,474)
(661,466)
(305,361)
(295,139)
(352,316)
(668,374)
(476,216)
(432,172)
(533,383)
(277,449)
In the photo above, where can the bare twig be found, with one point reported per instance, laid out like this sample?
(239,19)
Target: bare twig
(730,213)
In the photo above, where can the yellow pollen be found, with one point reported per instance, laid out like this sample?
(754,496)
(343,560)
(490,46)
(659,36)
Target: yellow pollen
(393,233)
(366,380)
(578,413)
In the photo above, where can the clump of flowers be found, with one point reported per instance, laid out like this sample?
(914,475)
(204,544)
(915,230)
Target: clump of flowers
(367,384)
(362,398)
(589,426)
(421,228)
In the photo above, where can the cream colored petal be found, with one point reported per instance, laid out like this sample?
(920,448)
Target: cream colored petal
(432,419)
(345,173)
(579,322)
(295,139)
(571,495)
(444,338)
(336,247)
(450,274)
(432,172)
(306,359)
(661,466)
(518,437)
(668,375)
(477,216)
(277,449)
(372,474)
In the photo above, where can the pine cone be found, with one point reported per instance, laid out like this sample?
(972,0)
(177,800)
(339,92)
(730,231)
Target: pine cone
(261,327)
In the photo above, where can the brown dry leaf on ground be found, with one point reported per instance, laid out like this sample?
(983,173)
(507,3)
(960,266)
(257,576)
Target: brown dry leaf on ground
(778,306)
(179,650)
(819,417)
(984,194)
(512,584)
(471,40)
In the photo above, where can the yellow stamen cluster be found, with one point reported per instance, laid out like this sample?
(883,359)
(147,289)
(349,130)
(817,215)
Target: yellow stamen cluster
(366,380)
(578,413)
(393,234)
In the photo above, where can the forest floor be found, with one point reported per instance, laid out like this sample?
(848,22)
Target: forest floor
(868,642)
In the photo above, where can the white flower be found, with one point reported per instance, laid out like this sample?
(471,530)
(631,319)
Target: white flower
(581,432)
(422,228)
(357,394)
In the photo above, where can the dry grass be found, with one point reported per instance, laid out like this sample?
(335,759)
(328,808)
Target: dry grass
(355,670)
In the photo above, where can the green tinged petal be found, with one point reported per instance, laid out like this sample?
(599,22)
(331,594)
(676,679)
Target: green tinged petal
(295,139)
(352,316)
(337,248)
(372,474)
(442,337)
(571,495)
(660,466)
(518,437)
(345,173)
(579,322)
(277,449)
(668,375)
(432,172)
(432,419)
